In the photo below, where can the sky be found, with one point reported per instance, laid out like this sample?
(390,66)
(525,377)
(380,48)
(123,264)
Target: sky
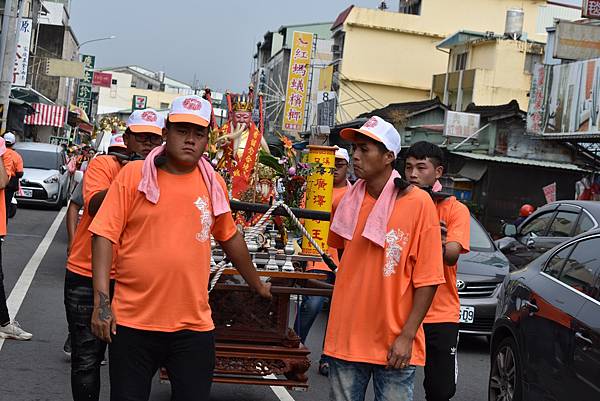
(212,41)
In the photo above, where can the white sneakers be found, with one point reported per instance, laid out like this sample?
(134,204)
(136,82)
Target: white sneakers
(13,330)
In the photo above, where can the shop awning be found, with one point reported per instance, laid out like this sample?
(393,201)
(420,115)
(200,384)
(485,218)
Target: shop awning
(516,160)
(46,114)
(473,170)
(29,95)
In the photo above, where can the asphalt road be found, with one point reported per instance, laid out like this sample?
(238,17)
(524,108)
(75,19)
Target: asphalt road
(37,370)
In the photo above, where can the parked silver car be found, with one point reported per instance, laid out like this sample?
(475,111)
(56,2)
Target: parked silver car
(479,279)
(45,177)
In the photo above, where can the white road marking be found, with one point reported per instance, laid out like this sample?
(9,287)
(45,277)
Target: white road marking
(19,291)
(279,391)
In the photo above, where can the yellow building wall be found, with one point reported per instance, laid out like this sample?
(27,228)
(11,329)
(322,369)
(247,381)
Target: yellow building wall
(392,56)
(351,105)
(504,80)
(444,17)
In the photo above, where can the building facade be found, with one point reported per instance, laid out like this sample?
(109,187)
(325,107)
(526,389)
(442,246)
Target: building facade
(382,57)
(158,89)
(484,68)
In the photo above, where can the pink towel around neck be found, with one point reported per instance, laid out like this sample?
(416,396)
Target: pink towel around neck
(149,182)
(346,215)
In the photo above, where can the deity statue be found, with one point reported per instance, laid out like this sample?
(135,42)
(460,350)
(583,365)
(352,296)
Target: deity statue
(240,140)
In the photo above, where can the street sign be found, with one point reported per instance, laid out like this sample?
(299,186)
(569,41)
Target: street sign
(139,102)
(102,79)
(64,68)
(590,9)
(326,104)
(461,125)
(22,55)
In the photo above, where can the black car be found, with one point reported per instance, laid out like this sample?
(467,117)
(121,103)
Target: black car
(546,339)
(549,226)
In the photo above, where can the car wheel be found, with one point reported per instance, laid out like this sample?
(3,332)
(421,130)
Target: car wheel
(505,374)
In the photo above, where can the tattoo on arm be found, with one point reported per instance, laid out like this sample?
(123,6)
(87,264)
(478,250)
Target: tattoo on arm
(105,311)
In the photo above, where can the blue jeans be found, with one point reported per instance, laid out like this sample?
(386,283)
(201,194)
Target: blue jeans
(349,381)
(310,308)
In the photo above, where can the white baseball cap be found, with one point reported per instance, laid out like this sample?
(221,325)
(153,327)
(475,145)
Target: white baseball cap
(116,141)
(146,120)
(9,137)
(190,109)
(341,153)
(379,130)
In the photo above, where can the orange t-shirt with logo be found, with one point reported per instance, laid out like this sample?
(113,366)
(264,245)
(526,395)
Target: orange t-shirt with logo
(374,288)
(163,262)
(7,166)
(338,194)
(99,175)
(445,307)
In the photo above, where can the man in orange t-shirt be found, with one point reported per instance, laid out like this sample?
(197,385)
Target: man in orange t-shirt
(15,173)
(162,213)
(311,305)
(143,133)
(390,267)
(8,328)
(423,167)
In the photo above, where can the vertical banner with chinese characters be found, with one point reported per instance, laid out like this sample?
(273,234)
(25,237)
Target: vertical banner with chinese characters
(22,55)
(297,85)
(319,193)
(537,102)
(84,89)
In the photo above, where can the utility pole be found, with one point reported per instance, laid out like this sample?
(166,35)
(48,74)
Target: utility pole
(8,47)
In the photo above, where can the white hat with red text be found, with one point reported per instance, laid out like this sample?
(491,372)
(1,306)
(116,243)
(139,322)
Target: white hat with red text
(146,120)
(116,141)
(341,153)
(190,109)
(379,130)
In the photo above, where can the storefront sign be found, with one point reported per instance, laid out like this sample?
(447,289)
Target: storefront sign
(102,79)
(22,54)
(84,89)
(576,41)
(297,85)
(139,102)
(461,125)
(590,9)
(326,105)
(565,99)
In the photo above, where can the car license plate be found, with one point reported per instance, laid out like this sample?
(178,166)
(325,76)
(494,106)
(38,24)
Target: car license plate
(27,193)
(467,314)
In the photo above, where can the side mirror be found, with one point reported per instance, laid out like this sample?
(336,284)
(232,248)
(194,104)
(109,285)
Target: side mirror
(62,169)
(509,230)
